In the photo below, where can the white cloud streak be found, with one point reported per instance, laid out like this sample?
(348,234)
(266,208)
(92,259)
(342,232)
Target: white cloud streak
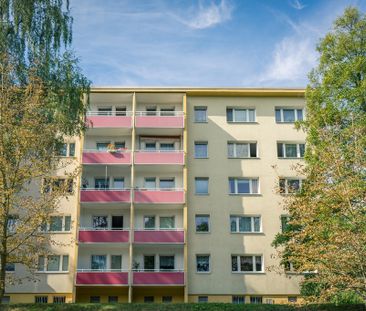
(296,4)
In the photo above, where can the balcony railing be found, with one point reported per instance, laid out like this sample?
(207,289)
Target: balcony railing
(102,277)
(168,236)
(159,119)
(159,157)
(109,119)
(162,195)
(92,195)
(158,277)
(103,235)
(94,156)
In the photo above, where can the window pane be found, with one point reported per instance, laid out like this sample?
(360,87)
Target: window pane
(251,115)
(243,186)
(167,111)
(167,183)
(232,185)
(280,150)
(10,267)
(233,227)
(118,183)
(72,149)
(202,223)
(102,146)
(203,263)
(257,224)
(116,262)
(302,150)
(100,222)
(149,262)
(242,150)
(120,145)
(166,146)
(56,223)
(229,115)
(238,299)
(41,262)
(167,222)
(255,188)
(67,223)
(246,263)
(112,299)
(240,115)
(201,185)
(290,150)
(245,224)
(200,114)
(63,150)
(258,263)
(150,183)
(253,150)
(101,183)
(300,116)
(166,262)
(53,263)
(200,150)
(150,146)
(149,222)
(278,115)
(65,263)
(234,263)
(121,111)
(117,222)
(99,262)
(104,111)
(288,115)
(293,185)
(202,299)
(284,222)
(230,150)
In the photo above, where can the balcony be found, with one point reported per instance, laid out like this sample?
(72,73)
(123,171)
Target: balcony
(158,277)
(97,119)
(101,277)
(168,236)
(91,235)
(91,156)
(159,196)
(91,195)
(159,119)
(175,157)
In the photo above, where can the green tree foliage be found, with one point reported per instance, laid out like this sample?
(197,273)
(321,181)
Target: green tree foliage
(327,227)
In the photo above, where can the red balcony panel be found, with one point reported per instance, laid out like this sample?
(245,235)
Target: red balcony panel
(160,121)
(101,278)
(165,157)
(103,236)
(109,121)
(159,236)
(106,157)
(158,278)
(159,196)
(104,196)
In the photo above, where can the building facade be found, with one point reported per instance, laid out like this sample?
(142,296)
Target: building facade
(179,199)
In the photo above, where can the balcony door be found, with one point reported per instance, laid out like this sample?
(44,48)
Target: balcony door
(166,263)
(100,222)
(98,262)
(167,183)
(107,111)
(150,183)
(149,262)
(117,222)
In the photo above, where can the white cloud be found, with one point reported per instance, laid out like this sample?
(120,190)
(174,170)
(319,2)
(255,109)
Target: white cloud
(206,16)
(296,4)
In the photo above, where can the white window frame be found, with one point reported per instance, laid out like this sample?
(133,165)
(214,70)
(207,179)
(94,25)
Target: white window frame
(250,185)
(201,143)
(298,154)
(248,143)
(237,220)
(48,229)
(253,262)
(200,108)
(286,184)
(246,114)
(209,264)
(45,264)
(208,185)
(208,221)
(289,108)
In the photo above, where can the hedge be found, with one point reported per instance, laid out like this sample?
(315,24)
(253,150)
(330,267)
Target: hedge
(178,307)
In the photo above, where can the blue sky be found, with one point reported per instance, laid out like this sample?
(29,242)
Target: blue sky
(242,43)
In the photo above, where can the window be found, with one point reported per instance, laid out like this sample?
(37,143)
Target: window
(100,222)
(59,223)
(245,224)
(256,299)
(150,183)
(117,222)
(112,299)
(202,223)
(101,183)
(57,184)
(151,111)
(241,150)
(12,223)
(119,145)
(240,115)
(246,263)
(201,150)
(203,263)
(66,150)
(149,262)
(94,299)
(167,146)
(167,222)
(166,183)
(289,185)
(167,299)
(284,222)
(5,300)
(292,299)
(41,299)
(238,299)
(10,267)
(149,299)
(121,111)
(116,262)
(150,146)
(166,262)
(59,299)
(243,186)
(201,185)
(288,115)
(200,114)
(105,111)
(62,151)
(103,146)
(202,299)
(287,150)
(149,222)
(118,182)
(167,111)
(53,263)
(98,262)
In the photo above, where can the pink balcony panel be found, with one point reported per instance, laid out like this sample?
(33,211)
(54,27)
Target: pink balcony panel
(101,278)
(159,236)
(158,278)
(103,236)
(159,196)
(106,158)
(145,157)
(160,121)
(109,121)
(104,196)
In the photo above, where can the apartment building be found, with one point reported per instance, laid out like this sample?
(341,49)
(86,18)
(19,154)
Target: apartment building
(179,199)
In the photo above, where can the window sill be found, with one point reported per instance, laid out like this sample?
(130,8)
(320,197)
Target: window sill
(290,158)
(250,233)
(200,121)
(203,232)
(52,272)
(203,272)
(57,232)
(242,122)
(251,158)
(245,194)
(248,272)
(201,158)
(202,194)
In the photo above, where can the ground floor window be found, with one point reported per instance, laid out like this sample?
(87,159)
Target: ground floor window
(256,299)
(112,299)
(59,299)
(149,299)
(238,299)
(5,300)
(95,299)
(41,299)
(292,299)
(202,298)
(167,299)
